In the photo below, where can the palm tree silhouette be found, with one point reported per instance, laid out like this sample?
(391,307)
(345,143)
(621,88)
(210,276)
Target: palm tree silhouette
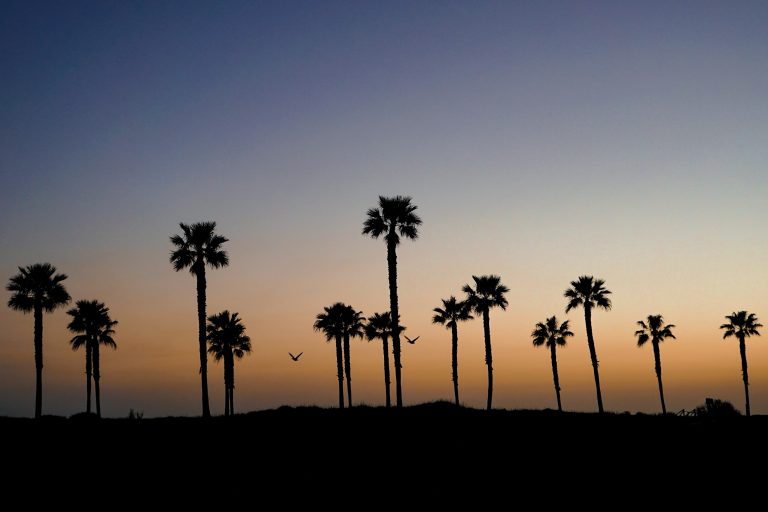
(393,218)
(589,293)
(488,293)
(551,334)
(331,323)
(353,323)
(654,330)
(742,325)
(227,340)
(198,246)
(92,327)
(37,288)
(379,326)
(450,315)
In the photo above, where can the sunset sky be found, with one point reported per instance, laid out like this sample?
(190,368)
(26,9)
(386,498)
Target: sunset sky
(540,141)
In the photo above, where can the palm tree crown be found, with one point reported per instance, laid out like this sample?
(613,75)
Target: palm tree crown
(654,330)
(393,218)
(199,246)
(742,325)
(588,292)
(379,326)
(331,321)
(487,294)
(37,284)
(226,332)
(452,312)
(551,334)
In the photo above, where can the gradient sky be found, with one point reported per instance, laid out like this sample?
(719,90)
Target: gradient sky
(540,140)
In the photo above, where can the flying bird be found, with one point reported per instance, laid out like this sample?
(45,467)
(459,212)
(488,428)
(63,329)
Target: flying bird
(295,358)
(411,341)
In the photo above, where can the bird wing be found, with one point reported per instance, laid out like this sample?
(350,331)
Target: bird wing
(292,356)
(298,356)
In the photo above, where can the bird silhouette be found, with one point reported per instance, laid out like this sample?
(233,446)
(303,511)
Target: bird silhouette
(411,341)
(295,358)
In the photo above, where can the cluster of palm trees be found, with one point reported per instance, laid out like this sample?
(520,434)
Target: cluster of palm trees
(223,336)
(38,288)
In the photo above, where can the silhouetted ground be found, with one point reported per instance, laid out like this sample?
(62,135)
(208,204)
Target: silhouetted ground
(423,455)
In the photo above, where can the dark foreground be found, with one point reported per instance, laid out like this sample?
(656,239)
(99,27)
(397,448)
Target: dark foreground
(427,453)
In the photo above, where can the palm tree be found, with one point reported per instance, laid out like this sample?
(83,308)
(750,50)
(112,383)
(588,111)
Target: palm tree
(589,293)
(487,294)
(450,315)
(92,327)
(379,326)
(551,334)
(198,246)
(331,323)
(37,288)
(742,325)
(353,324)
(393,218)
(654,330)
(227,340)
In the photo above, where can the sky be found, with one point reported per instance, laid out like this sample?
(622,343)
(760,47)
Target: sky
(540,140)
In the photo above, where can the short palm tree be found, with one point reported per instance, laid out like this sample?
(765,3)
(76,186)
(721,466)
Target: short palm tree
(196,247)
(453,312)
(227,340)
(331,323)
(37,288)
(92,327)
(487,294)
(589,293)
(354,323)
(394,217)
(742,325)
(552,335)
(656,331)
(379,326)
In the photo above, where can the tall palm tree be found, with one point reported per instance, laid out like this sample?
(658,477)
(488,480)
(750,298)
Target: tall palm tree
(379,326)
(196,247)
(656,331)
(742,325)
(93,327)
(589,293)
(487,294)
(551,334)
(393,218)
(450,315)
(331,323)
(227,340)
(37,288)
(353,323)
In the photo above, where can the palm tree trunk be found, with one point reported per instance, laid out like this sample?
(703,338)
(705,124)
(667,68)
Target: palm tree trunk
(455,361)
(227,383)
(488,355)
(385,346)
(744,375)
(88,374)
(38,359)
(348,369)
(340,371)
(395,312)
(96,376)
(555,376)
(657,358)
(593,356)
(201,285)
(232,386)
